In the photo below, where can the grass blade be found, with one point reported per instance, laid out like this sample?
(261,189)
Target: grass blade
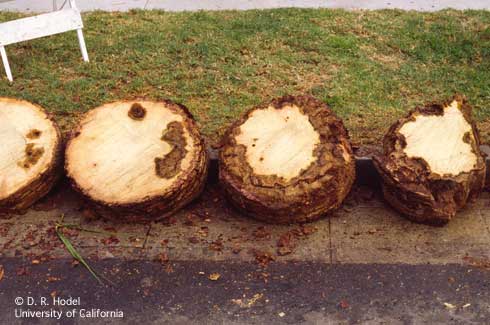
(78,227)
(75,254)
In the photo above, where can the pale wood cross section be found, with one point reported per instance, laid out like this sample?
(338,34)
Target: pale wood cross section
(59,21)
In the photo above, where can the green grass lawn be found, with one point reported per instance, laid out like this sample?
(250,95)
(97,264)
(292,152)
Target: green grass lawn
(371,67)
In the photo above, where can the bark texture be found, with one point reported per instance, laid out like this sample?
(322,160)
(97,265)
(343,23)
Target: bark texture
(430,185)
(182,170)
(40,137)
(288,179)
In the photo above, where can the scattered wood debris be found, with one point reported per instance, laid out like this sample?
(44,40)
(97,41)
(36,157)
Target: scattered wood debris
(169,268)
(163,258)
(214,276)
(216,245)
(289,240)
(170,221)
(89,214)
(22,271)
(344,304)
(286,244)
(110,240)
(193,240)
(308,230)
(247,303)
(481,263)
(263,258)
(261,233)
(53,279)
(203,232)
(236,249)
(189,220)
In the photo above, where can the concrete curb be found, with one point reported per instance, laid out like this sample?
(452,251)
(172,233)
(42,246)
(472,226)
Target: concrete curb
(366,173)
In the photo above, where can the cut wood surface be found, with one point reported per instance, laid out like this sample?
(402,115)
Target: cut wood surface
(287,161)
(30,154)
(432,164)
(137,160)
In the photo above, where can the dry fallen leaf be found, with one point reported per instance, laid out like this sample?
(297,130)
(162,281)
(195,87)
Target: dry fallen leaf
(2,272)
(214,276)
(449,306)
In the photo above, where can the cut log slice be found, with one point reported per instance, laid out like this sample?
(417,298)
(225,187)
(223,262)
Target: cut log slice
(287,161)
(30,154)
(137,160)
(432,164)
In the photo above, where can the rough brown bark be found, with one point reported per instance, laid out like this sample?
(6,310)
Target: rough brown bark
(186,147)
(38,132)
(303,195)
(410,183)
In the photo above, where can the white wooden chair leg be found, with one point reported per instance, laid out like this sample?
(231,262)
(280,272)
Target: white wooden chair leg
(6,63)
(83,48)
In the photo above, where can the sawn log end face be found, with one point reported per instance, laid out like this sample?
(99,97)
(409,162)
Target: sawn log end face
(30,154)
(432,164)
(137,160)
(287,161)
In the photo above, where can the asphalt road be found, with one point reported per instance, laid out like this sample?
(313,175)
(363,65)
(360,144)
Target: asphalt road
(294,293)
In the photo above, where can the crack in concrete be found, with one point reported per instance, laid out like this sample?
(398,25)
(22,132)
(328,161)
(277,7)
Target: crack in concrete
(146,236)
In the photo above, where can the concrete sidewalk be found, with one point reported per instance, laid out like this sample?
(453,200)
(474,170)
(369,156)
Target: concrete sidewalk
(193,5)
(364,230)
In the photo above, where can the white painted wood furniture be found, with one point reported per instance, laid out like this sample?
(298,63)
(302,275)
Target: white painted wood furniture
(59,21)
